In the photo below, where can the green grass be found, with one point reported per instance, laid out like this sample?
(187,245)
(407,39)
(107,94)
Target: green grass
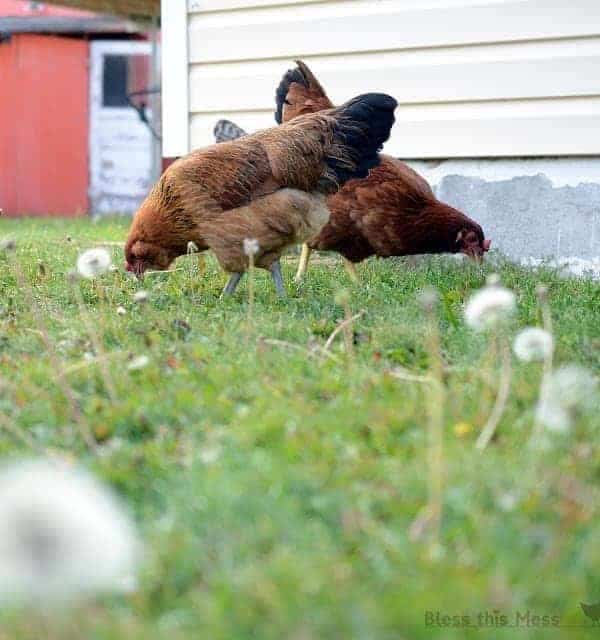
(275,490)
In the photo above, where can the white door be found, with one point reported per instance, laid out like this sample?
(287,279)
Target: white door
(120,143)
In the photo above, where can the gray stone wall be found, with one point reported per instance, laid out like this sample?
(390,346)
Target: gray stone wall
(541,209)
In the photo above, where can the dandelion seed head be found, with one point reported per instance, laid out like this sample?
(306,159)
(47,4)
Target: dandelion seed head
(139,362)
(93,262)
(554,417)
(8,244)
(573,387)
(507,501)
(121,311)
(141,296)
(571,391)
(251,246)
(62,535)
(428,298)
(533,343)
(209,455)
(489,307)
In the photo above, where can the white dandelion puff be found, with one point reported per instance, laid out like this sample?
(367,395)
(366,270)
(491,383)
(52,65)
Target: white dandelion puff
(251,246)
(489,306)
(554,417)
(507,501)
(121,311)
(140,296)
(573,387)
(8,244)
(93,262)
(209,455)
(571,391)
(428,298)
(532,344)
(139,362)
(62,535)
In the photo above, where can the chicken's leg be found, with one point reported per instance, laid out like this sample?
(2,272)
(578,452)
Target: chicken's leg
(351,270)
(231,286)
(303,264)
(275,270)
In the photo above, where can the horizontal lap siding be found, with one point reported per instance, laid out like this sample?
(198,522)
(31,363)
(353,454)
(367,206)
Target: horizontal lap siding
(479,78)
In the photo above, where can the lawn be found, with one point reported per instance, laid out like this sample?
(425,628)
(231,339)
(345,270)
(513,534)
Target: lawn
(278,488)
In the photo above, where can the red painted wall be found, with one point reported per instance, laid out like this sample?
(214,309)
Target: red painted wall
(44,125)
(25,8)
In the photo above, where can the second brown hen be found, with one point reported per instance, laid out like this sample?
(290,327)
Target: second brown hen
(391,212)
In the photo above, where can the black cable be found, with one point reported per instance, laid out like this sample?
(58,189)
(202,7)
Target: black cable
(141,110)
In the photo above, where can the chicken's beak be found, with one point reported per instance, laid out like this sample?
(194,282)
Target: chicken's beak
(137,268)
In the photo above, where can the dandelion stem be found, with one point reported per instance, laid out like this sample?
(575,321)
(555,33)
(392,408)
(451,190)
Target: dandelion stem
(250,287)
(404,374)
(347,329)
(342,327)
(297,347)
(488,431)
(435,407)
(548,365)
(98,348)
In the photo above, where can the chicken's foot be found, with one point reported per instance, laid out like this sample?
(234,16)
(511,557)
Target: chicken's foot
(303,264)
(231,286)
(275,270)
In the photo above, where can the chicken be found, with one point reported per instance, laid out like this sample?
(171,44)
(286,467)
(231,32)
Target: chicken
(592,611)
(270,186)
(391,212)
(226,130)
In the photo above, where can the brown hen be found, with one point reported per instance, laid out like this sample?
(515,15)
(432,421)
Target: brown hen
(269,186)
(391,212)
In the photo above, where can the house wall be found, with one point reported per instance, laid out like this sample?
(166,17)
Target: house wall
(44,126)
(504,80)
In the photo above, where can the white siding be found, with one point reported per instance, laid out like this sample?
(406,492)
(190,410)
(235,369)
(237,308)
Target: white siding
(175,79)
(473,77)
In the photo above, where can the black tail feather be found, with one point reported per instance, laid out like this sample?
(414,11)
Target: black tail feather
(362,126)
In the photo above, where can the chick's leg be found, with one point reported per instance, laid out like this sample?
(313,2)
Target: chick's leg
(303,264)
(275,270)
(351,270)
(231,286)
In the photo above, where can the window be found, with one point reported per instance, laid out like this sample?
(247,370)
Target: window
(123,75)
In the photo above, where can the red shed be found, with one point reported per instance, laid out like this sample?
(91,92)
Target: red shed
(66,128)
